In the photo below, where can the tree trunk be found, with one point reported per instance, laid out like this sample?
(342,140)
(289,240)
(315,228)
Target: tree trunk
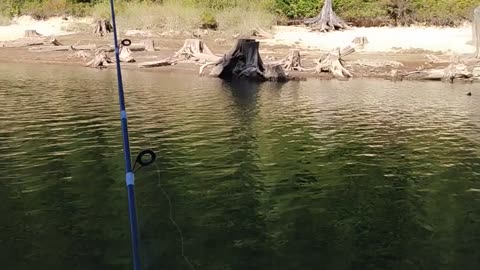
(244,62)
(476,31)
(55,42)
(327,20)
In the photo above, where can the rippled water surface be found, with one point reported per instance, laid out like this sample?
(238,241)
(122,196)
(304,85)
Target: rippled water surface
(366,174)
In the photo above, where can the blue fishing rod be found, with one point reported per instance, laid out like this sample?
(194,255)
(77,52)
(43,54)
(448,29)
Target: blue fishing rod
(129,169)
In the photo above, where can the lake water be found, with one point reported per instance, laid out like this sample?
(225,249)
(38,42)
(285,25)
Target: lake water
(365,174)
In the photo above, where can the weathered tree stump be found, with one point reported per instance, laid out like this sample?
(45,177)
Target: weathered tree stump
(149,45)
(102,27)
(32,34)
(327,20)
(360,41)
(101,60)
(125,55)
(332,62)
(191,48)
(243,61)
(293,61)
(476,31)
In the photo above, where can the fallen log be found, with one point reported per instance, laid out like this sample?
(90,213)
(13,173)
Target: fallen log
(259,32)
(23,43)
(63,48)
(161,63)
(450,73)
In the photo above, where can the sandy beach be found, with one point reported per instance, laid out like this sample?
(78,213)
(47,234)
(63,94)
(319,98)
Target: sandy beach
(406,45)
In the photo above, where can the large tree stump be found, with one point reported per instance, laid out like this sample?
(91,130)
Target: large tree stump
(243,61)
(102,27)
(32,34)
(476,31)
(327,20)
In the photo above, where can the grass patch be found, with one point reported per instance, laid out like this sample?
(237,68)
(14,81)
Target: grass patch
(4,20)
(184,15)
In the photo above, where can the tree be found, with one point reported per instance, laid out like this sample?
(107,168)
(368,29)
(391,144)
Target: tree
(327,20)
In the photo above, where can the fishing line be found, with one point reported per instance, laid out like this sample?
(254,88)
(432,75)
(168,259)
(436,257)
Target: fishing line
(172,219)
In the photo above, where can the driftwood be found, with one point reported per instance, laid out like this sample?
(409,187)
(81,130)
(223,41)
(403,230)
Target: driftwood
(55,42)
(32,34)
(101,60)
(452,72)
(80,55)
(332,62)
(20,43)
(243,61)
(259,32)
(327,20)
(476,31)
(125,55)
(102,27)
(64,48)
(161,63)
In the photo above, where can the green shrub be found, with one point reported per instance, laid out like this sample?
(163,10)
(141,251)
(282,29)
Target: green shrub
(208,21)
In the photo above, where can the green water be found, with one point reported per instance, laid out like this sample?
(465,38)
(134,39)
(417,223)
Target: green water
(366,174)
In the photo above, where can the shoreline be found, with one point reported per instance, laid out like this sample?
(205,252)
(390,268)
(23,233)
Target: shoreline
(406,60)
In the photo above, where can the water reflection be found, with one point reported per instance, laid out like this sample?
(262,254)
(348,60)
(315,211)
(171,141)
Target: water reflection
(336,175)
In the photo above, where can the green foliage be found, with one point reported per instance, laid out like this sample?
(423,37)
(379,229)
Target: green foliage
(436,12)
(208,20)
